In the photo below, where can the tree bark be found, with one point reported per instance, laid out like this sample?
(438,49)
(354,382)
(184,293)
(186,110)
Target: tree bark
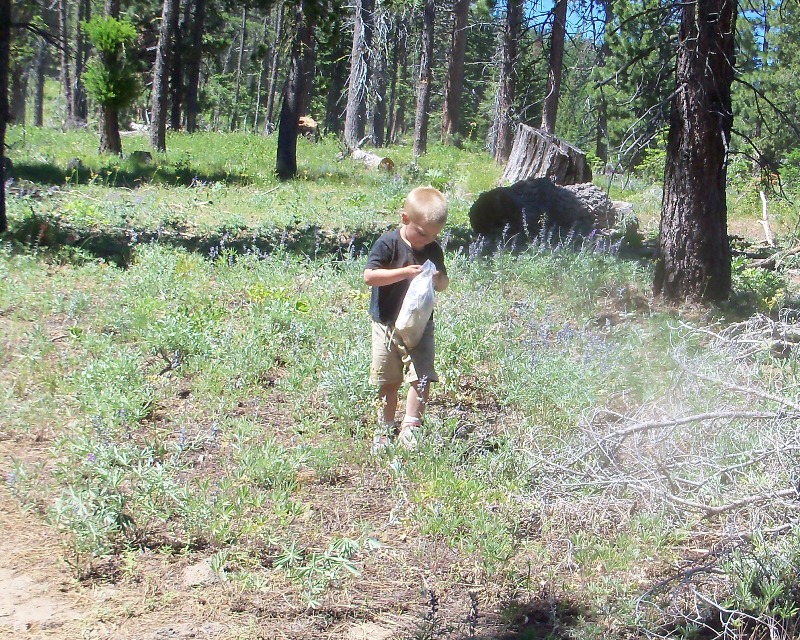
(507,81)
(5,43)
(19,93)
(555,67)
(425,77)
(158,116)
(177,90)
(399,77)
(80,106)
(694,250)
(193,65)
(66,82)
(273,74)
(110,141)
(239,61)
(286,164)
(601,133)
(379,82)
(451,118)
(356,111)
(333,111)
(38,93)
(309,66)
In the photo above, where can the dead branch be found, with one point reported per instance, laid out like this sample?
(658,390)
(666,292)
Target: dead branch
(768,234)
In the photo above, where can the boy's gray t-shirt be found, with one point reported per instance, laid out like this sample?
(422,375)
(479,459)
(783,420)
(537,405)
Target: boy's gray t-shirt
(391,252)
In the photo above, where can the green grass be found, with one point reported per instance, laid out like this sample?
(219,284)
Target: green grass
(217,405)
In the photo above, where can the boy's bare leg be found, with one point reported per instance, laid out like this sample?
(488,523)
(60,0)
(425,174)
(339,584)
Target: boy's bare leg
(417,397)
(388,395)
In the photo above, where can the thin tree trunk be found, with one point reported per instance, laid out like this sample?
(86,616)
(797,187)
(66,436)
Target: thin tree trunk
(273,73)
(111,9)
(393,82)
(19,94)
(333,110)
(262,72)
(379,81)
(356,112)
(507,82)
(309,67)
(555,68)
(193,65)
(694,250)
(5,41)
(424,83)
(80,108)
(451,118)
(158,123)
(239,61)
(66,82)
(601,134)
(399,124)
(176,72)
(38,94)
(286,164)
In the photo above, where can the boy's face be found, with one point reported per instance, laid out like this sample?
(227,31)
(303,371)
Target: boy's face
(420,234)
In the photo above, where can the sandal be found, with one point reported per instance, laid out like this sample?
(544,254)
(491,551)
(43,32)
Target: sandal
(410,434)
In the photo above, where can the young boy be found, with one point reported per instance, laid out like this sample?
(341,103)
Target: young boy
(394,261)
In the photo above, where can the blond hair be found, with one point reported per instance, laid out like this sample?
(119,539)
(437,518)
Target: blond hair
(426,205)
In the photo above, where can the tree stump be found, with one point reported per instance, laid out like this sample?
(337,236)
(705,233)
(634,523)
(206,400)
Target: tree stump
(537,154)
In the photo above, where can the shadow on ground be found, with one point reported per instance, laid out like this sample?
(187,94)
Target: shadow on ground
(130,173)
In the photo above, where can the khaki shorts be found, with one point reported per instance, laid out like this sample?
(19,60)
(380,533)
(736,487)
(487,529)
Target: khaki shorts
(390,358)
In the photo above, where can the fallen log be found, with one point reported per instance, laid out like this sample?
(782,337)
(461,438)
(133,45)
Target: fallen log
(373,160)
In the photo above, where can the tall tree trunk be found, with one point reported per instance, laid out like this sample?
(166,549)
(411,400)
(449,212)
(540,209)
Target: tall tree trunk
(555,68)
(379,81)
(601,133)
(333,101)
(176,72)
(309,67)
(399,121)
(111,9)
(66,82)
(80,107)
(193,65)
(38,93)
(239,62)
(507,81)
(286,165)
(273,73)
(158,116)
(356,112)
(451,118)
(262,72)
(108,121)
(19,94)
(5,43)
(694,261)
(424,83)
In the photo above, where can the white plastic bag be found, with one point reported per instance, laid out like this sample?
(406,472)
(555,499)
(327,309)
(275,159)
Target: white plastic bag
(417,306)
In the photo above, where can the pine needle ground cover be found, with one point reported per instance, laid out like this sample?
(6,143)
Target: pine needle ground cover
(185,435)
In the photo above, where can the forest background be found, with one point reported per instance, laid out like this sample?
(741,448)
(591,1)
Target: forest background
(183,374)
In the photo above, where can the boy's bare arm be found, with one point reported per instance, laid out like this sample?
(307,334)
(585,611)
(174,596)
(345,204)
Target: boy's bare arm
(383,277)
(440,281)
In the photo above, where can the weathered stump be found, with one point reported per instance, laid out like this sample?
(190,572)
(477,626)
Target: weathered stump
(526,206)
(537,154)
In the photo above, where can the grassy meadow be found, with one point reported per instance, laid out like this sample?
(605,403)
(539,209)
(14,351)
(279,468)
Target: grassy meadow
(183,365)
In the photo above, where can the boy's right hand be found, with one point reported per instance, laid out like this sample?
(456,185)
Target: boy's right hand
(412,271)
